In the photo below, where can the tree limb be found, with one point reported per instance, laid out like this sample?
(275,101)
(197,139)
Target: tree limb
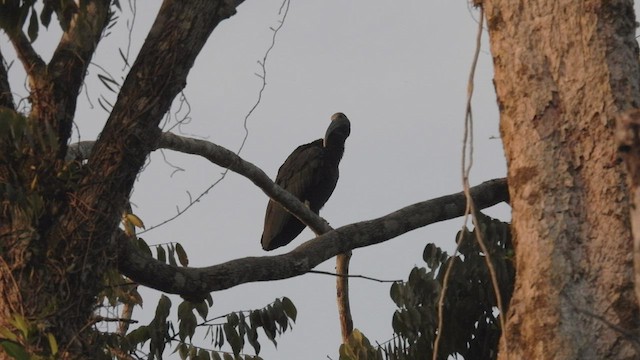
(68,66)
(30,60)
(131,132)
(6,97)
(197,282)
(228,159)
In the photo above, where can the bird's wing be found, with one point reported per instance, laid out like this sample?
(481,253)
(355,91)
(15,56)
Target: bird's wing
(297,175)
(299,172)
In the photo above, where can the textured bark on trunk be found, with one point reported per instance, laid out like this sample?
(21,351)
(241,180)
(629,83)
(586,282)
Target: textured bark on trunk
(563,70)
(58,221)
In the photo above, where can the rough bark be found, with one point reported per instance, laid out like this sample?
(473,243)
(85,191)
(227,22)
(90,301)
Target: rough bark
(628,138)
(6,98)
(55,253)
(563,69)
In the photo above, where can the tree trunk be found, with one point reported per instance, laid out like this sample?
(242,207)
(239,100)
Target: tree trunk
(59,219)
(563,70)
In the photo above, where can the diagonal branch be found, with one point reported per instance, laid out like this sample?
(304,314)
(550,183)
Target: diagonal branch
(30,60)
(159,73)
(6,98)
(68,66)
(195,283)
(228,159)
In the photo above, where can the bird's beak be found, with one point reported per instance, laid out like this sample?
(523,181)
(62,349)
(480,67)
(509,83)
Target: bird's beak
(338,121)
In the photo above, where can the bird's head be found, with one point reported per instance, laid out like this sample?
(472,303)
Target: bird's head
(338,130)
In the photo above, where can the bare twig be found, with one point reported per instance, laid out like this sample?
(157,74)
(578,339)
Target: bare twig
(352,276)
(284,10)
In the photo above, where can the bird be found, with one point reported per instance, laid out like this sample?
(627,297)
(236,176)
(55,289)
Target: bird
(310,173)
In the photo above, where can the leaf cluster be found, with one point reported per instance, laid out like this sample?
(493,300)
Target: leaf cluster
(238,329)
(22,342)
(471,326)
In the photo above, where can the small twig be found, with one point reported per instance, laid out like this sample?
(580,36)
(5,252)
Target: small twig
(352,276)
(263,67)
(285,6)
(99,318)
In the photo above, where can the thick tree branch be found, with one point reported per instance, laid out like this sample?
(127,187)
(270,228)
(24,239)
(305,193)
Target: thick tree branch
(131,132)
(30,60)
(6,98)
(68,67)
(196,282)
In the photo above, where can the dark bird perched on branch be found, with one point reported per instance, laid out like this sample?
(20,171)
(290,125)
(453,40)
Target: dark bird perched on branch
(310,173)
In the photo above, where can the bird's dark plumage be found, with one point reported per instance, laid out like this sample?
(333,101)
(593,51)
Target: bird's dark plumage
(310,173)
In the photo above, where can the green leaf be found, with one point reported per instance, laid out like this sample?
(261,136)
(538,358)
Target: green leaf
(268,325)
(219,338)
(164,306)
(396,293)
(346,353)
(162,255)
(32,31)
(252,336)
(242,325)
(45,14)
(233,338)
(172,255)
(139,336)
(215,355)
(203,354)
(183,350)
(21,324)
(142,245)
(7,334)
(232,319)
(14,350)
(227,356)
(53,344)
(289,308)
(182,255)
(255,319)
(188,322)
(202,309)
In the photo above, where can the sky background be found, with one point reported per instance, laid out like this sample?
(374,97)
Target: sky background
(398,70)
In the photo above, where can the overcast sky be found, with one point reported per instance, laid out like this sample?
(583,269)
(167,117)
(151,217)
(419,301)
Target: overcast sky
(398,70)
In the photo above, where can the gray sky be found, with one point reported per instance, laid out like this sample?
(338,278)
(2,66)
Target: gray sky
(398,70)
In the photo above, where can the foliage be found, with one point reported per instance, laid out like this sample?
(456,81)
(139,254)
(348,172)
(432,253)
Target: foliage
(358,347)
(15,14)
(237,329)
(471,326)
